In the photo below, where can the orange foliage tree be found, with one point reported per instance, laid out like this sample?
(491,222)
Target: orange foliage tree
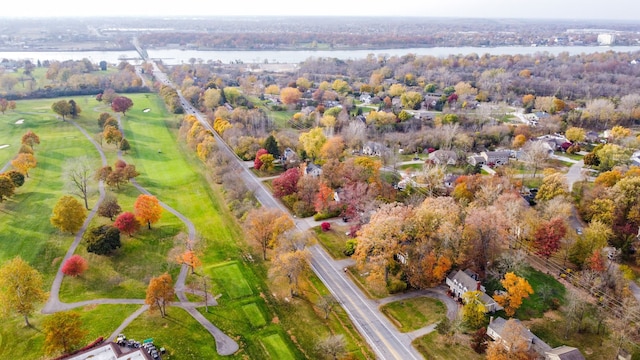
(147,209)
(159,293)
(517,288)
(23,162)
(190,258)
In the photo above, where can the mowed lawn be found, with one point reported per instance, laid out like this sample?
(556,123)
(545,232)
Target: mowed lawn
(416,313)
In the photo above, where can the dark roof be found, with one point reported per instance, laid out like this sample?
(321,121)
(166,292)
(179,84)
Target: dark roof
(566,353)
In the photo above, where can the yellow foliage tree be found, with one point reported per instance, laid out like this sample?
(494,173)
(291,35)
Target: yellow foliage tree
(20,288)
(221,125)
(160,292)
(264,227)
(23,162)
(516,288)
(68,214)
(63,332)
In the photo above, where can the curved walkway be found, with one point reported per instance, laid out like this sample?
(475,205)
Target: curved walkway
(224,344)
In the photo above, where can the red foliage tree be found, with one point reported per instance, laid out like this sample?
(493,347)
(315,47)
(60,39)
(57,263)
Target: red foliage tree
(120,164)
(127,223)
(596,261)
(257,163)
(548,236)
(326,226)
(75,266)
(121,104)
(287,183)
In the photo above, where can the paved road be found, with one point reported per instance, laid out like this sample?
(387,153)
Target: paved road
(381,335)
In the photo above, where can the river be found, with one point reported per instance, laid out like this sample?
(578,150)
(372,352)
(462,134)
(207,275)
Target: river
(176,56)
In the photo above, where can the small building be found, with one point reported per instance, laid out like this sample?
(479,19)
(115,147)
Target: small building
(313,170)
(498,157)
(450,180)
(459,282)
(564,353)
(476,160)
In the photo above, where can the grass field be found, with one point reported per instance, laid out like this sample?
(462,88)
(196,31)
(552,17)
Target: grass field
(413,314)
(333,240)
(276,347)
(435,347)
(171,172)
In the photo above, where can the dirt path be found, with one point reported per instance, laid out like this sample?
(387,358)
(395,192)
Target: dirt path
(224,344)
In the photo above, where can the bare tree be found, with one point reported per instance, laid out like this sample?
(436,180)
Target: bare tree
(77,173)
(535,153)
(332,347)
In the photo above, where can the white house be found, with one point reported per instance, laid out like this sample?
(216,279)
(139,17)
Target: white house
(444,157)
(564,353)
(459,282)
(313,170)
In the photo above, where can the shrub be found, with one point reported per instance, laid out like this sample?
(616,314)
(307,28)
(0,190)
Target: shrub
(325,226)
(75,266)
(350,247)
(102,240)
(396,286)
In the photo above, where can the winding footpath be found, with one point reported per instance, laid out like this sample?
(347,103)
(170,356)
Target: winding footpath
(224,344)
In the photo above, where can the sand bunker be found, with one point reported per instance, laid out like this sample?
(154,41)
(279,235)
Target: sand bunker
(146,110)
(21,121)
(4,146)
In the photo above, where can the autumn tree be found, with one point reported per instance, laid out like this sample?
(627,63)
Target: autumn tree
(102,240)
(548,236)
(264,226)
(190,258)
(127,223)
(112,135)
(160,293)
(77,173)
(62,108)
(257,163)
(4,105)
(63,332)
(68,214)
(147,209)
(24,162)
(16,177)
(312,142)
(287,183)
(74,266)
(473,309)
(7,187)
(121,104)
(290,96)
(519,141)
(20,288)
(326,303)
(379,242)
(575,134)
(517,289)
(291,264)
(553,184)
(30,138)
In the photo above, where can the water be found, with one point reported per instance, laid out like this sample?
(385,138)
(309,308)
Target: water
(175,56)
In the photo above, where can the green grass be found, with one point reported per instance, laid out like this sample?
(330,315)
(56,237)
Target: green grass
(435,347)
(231,280)
(179,333)
(281,118)
(177,178)
(593,346)
(277,347)
(413,314)
(333,240)
(410,166)
(254,314)
(534,306)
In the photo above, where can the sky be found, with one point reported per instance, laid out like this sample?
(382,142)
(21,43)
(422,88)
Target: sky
(532,9)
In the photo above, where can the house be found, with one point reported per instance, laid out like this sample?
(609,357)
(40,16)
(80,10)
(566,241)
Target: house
(564,353)
(476,160)
(459,282)
(290,158)
(373,149)
(450,180)
(444,157)
(313,170)
(365,98)
(553,142)
(499,157)
(496,331)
